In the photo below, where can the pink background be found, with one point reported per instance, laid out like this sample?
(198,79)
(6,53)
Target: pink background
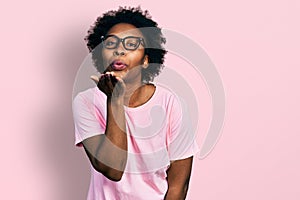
(255,46)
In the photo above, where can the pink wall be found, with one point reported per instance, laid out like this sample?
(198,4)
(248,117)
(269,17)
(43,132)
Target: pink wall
(255,47)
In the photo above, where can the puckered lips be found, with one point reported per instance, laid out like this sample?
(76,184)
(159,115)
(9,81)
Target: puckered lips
(118,65)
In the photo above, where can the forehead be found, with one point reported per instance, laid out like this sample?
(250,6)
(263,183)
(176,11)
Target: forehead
(124,29)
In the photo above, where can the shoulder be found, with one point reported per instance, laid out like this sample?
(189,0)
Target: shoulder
(89,97)
(163,91)
(169,99)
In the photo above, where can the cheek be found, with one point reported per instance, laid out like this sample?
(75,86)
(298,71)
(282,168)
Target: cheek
(105,57)
(137,56)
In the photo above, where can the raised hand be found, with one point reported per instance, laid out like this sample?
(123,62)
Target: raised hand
(111,83)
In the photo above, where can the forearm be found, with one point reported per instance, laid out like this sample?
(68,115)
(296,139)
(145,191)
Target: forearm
(115,124)
(178,179)
(112,152)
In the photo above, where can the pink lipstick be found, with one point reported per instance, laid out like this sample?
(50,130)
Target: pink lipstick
(118,65)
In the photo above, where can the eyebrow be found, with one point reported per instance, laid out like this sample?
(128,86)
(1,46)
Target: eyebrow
(123,37)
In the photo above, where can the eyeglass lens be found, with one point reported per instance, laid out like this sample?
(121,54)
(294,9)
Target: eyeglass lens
(129,43)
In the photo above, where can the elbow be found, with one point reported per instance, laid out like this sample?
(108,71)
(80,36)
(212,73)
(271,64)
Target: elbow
(114,175)
(185,188)
(110,173)
(110,169)
(177,192)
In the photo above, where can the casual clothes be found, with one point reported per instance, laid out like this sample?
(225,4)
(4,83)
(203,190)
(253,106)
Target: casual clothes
(157,133)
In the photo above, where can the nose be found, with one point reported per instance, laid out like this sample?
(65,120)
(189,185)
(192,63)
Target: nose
(120,50)
(118,53)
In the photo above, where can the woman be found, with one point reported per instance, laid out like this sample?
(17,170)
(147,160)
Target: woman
(133,132)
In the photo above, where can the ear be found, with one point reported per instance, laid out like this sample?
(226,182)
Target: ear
(146,62)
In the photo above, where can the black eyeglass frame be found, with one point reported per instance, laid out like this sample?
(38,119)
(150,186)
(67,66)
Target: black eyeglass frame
(122,40)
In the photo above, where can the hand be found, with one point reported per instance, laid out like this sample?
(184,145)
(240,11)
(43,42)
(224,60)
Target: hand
(111,83)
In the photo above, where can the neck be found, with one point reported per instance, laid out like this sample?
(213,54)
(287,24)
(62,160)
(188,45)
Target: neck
(132,92)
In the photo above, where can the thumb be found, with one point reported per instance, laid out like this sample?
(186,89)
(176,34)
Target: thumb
(95,78)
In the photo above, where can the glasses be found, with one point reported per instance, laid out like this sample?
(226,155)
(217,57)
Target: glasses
(130,43)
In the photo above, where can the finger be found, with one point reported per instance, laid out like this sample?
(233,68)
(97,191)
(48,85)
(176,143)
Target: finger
(95,78)
(120,83)
(120,80)
(102,82)
(108,81)
(119,87)
(114,78)
(119,73)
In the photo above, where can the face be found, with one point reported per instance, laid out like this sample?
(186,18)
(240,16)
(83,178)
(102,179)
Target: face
(126,59)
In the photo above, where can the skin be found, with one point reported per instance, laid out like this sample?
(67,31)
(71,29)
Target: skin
(108,152)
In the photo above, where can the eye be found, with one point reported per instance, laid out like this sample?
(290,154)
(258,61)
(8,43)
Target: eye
(131,43)
(110,43)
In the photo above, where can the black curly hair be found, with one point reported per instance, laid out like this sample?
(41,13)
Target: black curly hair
(153,36)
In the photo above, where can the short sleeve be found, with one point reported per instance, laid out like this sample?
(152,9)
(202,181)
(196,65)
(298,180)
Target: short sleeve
(88,119)
(182,138)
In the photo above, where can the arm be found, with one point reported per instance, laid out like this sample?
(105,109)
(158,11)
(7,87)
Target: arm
(108,152)
(178,179)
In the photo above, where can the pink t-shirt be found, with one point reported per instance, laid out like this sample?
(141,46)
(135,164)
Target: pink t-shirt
(158,132)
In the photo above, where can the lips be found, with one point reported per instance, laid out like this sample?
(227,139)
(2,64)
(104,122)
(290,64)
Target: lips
(118,65)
